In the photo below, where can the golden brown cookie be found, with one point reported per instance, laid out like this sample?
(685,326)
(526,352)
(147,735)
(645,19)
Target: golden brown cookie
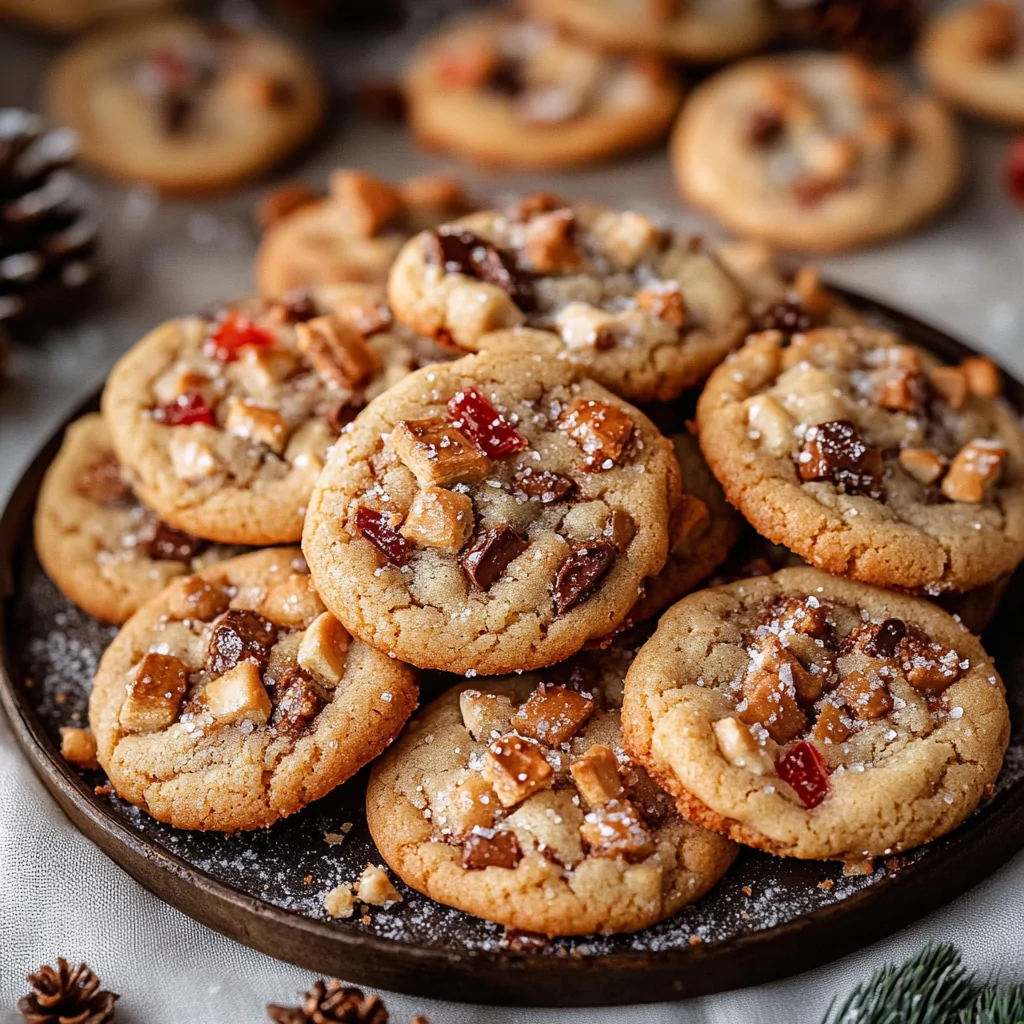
(233,699)
(816,717)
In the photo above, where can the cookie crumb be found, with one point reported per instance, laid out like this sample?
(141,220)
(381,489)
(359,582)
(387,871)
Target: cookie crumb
(827,884)
(852,868)
(747,891)
(374,887)
(78,747)
(339,902)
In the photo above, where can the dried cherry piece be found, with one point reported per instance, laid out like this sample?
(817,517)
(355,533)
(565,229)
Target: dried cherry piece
(161,541)
(462,252)
(1015,170)
(232,334)
(488,848)
(490,554)
(834,451)
(580,574)
(297,703)
(378,529)
(239,635)
(546,486)
(803,768)
(185,410)
(484,425)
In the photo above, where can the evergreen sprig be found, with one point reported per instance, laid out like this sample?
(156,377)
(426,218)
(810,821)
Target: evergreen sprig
(932,987)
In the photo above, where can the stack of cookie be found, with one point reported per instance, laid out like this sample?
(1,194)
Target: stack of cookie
(477,493)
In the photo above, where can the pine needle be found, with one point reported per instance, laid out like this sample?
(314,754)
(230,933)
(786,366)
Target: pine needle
(995,1006)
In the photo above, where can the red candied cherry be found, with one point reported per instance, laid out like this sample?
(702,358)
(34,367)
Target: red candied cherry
(486,427)
(1015,170)
(186,410)
(377,528)
(803,768)
(232,334)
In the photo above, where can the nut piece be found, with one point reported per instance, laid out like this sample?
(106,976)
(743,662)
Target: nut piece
(340,902)
(773,424)
(490,554)
(552,714)
(292,602)
(485,715)
(816,300)
(337,351)
(192,597)
(515,768)
(154,695)
(438,453)
(192,460)
(950,384)
(865,695)
(549,243)
(261,367)
(468,806)
(975,469)
(740,749)
(808,617)
(490,848)
(616,829)
(238,694)
(439,518)
(254,423)
(667,304)
(239,635)
(374,887)
(596,774)
(432,192)
(78,747)
(544,486)
(928,665)
(770,691)
(900,385)
(366,203)
(924,465)
(984,379)
(282,201)
(323,650)
(627,237)
(600,429)
(831,727)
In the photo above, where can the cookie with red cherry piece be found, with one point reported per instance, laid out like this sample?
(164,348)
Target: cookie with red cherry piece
(641,310)
(224,419)
(870,458)
(102,547)
(183,105)
(233,698)
(513,799)
(490,514)
(973,56)
(504,91)
(817,717)
(674,28)
(817,152)
(352,234)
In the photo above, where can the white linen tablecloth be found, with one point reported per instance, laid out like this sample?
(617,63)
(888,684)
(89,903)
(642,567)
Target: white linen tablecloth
(59,895)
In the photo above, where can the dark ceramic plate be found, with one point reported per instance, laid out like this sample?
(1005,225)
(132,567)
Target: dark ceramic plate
(767,919)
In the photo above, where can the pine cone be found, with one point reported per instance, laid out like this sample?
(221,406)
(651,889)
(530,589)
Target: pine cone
(332,1003)
(65,996)
(47,241)
(872,28)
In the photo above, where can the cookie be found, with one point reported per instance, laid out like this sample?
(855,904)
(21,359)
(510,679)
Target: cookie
(973,57)
(815,151)
(224,419)
(233,699)
(105,550)
(514,800)
(816,717)
(504,91)
(354,233)
(639,309)
(869,458)
(684,31)
(490,515)
(66,17)
(185,106)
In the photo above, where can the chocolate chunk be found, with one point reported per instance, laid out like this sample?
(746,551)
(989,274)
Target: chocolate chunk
(167,544)
(834,451)
(886,639)
(581,672)
(507,78)
(490,849)
(580,574)
(764,127)
(548,487)
(298,306)
(297,702)
(462,252)
(787,315)
(100,480)
(239,635)
(490,554)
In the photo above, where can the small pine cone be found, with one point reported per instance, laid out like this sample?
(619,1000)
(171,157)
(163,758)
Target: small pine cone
(872,28)
(65,996)
(47,240)
(332,1003)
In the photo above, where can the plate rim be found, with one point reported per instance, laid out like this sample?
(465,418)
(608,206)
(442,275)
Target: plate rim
(498,977)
